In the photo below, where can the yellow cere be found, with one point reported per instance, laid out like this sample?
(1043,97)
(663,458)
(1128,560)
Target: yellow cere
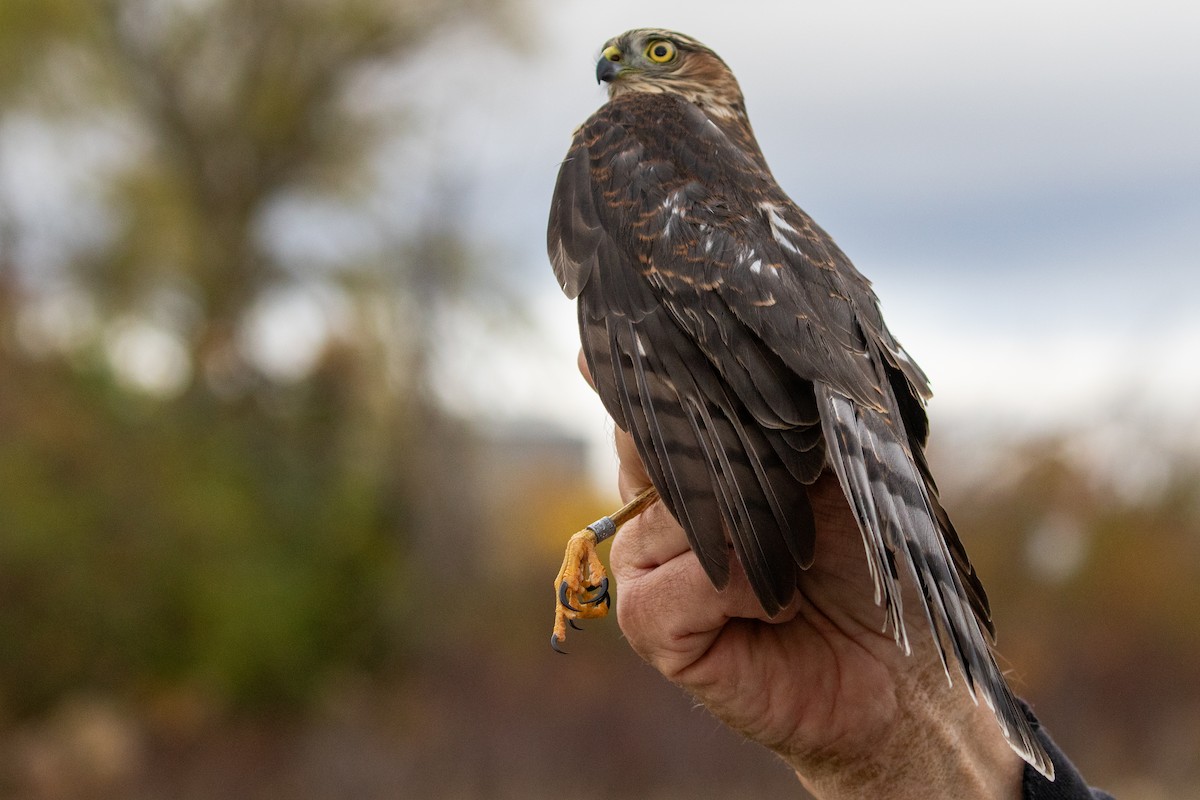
(612,53)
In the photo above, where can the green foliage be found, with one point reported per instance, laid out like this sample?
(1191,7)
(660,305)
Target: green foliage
(145,543)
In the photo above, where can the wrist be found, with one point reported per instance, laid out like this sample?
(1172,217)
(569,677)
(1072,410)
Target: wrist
(939,744)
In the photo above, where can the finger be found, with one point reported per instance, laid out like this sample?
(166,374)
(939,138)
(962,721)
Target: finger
(632,478)
(671,614)
(581,360)
(646,543)
(655,544)
(654,537)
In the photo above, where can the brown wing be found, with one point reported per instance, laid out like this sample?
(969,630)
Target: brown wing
(741,349)
(725,428)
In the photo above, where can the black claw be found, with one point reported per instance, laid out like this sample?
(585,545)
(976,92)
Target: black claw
(554,644)
(602,596)
(562,597)
(571,622)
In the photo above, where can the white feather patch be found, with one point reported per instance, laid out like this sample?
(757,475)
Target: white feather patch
(780,229)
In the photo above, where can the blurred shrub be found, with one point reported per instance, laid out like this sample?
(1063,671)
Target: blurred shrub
(212,442)
(234,549)
(1093,570)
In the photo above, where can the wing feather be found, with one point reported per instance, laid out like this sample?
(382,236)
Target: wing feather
(768,516)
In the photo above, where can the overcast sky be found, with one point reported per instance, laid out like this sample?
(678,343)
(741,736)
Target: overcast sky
(1021,180)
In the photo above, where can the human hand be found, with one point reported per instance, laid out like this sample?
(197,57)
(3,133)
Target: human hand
(820,684)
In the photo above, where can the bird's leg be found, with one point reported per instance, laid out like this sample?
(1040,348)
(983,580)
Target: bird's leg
(581,588)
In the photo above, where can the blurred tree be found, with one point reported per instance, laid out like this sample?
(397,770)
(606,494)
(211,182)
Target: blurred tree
(207,436)
(1095,582)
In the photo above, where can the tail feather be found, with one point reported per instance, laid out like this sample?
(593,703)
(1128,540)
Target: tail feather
(905,530)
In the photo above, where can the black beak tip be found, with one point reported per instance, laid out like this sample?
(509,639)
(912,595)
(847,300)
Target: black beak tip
(607,71)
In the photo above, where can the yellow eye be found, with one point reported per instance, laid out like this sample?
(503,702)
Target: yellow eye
(660,51)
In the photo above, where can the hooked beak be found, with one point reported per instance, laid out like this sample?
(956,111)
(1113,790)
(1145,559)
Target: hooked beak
(609,68)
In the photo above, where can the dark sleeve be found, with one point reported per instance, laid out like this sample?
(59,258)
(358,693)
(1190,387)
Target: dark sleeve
(1068,784)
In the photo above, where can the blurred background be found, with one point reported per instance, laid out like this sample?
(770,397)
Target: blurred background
(291,435)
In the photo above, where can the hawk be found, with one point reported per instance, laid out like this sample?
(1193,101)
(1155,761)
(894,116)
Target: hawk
(744,353)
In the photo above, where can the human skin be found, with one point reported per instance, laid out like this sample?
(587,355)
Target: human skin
(821,685)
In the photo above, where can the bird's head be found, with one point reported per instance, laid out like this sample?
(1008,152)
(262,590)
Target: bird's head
(653,60)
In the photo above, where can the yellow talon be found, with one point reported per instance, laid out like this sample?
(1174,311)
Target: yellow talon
(581,587)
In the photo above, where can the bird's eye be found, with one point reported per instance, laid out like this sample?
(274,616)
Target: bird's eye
(660,51)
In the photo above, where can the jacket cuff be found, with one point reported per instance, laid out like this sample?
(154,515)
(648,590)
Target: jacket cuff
(1068,784)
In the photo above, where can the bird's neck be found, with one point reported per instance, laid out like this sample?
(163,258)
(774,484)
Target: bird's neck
(732,120)
(726,110)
